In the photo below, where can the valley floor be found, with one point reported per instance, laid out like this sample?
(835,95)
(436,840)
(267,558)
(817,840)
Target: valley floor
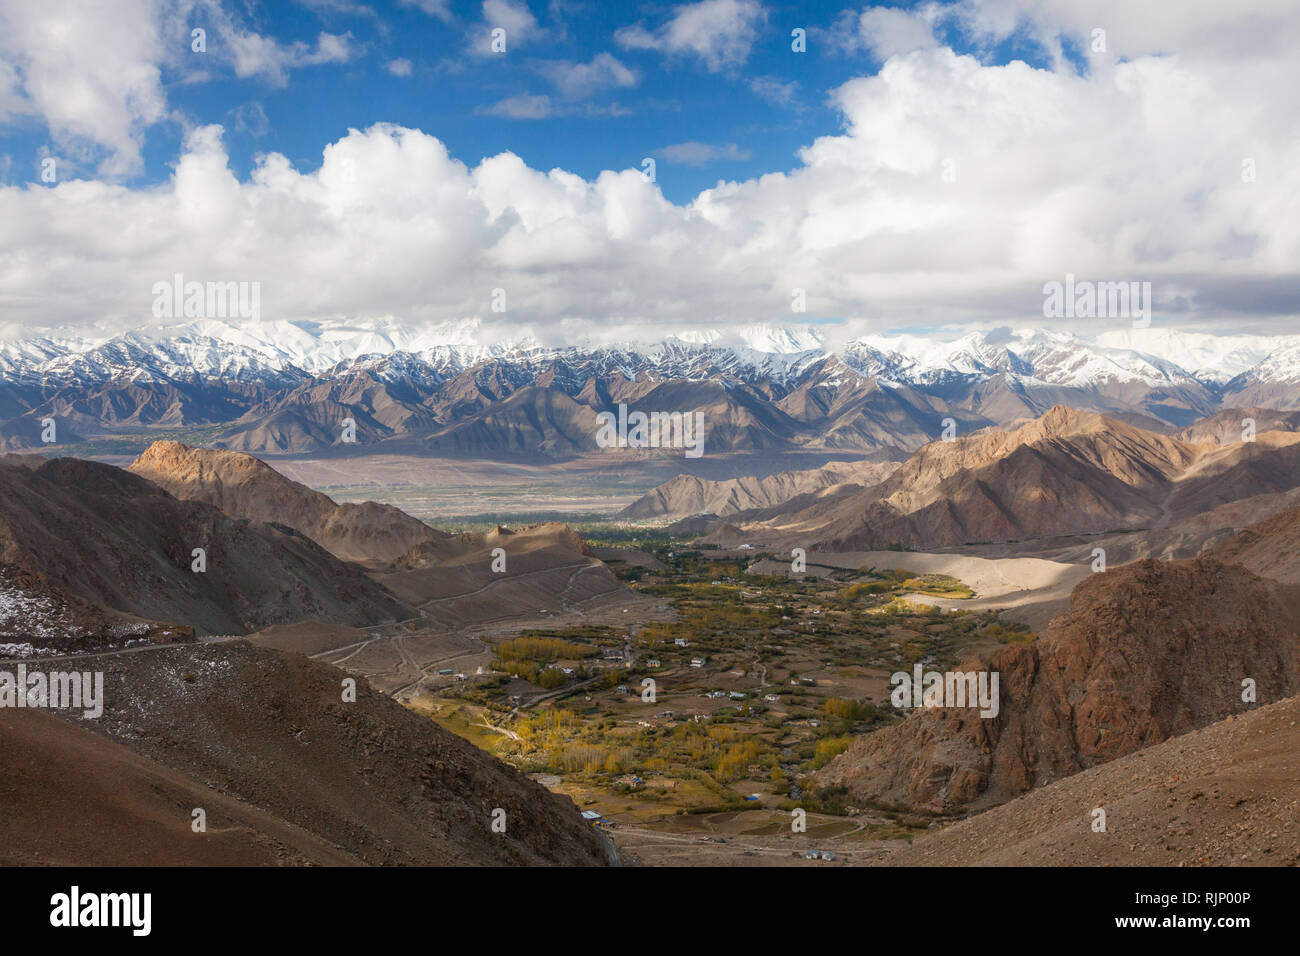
(758,679)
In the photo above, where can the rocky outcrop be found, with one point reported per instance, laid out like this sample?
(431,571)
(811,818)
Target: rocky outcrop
(1144,653)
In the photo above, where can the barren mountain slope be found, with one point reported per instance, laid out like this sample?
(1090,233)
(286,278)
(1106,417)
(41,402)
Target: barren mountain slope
(38,619)
(1132,455)
(546,566)
(113,539)
(1066,473)
(1271,548)
(137,808)
(1270,465)
(1184,538)
(689,495)
(1225,427)
(332,780)
(1225,795)
(532,421)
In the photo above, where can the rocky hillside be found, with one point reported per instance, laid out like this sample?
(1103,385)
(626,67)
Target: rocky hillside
(245,487)
(37,619)
(1145,652)
(1271,548)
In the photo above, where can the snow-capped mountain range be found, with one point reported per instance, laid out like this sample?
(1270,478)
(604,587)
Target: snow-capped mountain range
(279,352)
(284,387)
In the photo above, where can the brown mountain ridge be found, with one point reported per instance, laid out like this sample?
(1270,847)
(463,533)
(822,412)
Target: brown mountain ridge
(1068,472)
(246,487)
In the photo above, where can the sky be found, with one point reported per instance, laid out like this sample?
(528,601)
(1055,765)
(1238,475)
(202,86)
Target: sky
(585,170)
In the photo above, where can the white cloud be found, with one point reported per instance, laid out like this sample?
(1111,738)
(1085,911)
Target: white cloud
(1205,27)
(720,32)
(774,90)
(887,31)
(536,106)
(11,98)
(91,72)
(399,67)
(580,80)
(1248,28)
(94,73)
(341,7)
(523,106)
(574,83)
(251,118)
(513,16)
(253,54)
(701,154)
(248,53)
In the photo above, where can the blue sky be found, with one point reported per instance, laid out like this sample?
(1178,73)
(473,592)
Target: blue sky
(752,116)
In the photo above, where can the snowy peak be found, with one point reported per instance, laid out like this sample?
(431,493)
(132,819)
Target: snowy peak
(789,340)
(283,352)
(761,337)
(1215,358)
(1034,355)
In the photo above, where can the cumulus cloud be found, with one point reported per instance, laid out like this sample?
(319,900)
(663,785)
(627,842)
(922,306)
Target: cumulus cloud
(94,73)
(720,33)
(91,72)
(1251,28)
(951,191)
(399,67)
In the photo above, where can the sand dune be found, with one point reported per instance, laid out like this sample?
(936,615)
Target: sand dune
(1032,588)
